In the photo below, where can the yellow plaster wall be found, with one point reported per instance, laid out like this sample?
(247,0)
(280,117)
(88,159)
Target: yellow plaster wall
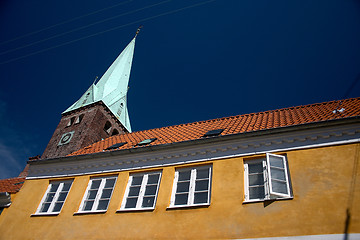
(321,179)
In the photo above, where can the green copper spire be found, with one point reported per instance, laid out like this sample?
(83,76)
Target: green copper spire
(112,87)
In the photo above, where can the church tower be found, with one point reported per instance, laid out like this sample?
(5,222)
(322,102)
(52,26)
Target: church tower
(99,113)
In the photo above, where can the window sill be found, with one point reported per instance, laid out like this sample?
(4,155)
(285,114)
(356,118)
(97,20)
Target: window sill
(89,212)
(44,214)
(135,210)
(266,200)
(188,206)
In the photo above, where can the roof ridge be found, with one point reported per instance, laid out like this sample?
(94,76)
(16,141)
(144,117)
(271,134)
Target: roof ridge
(249,114)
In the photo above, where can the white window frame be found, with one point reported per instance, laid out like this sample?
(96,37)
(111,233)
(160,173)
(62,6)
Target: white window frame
(141,195)
(270,194)
(190,200)
(98,195)
(55,199)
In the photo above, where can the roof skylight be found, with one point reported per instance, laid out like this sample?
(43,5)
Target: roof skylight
(213,133)
(146,141)
(117,145)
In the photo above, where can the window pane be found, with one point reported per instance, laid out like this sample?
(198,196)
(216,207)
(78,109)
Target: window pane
(62,196)
(95,184)
(66,187)
(256,179)
(54,187)
(279,187)
(202,173)
(181,199)
(134,191)
(201,197)
(278,173)
(49,197)
(202,185)
(110,183)
(256,193)
(184,175)
(57,207)
(276,161)
(45,207)
(103,204)
(148,202)
(137,180)
(88,205)
(153,179)
(183,187)
(255,168)
(92,194)
(150,190)
(106,193)
(131,203)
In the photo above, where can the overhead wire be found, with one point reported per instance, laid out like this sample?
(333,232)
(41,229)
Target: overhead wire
(83,27)
(64,22)
(110,29)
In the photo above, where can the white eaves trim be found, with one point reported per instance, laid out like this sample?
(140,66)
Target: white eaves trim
(281,142)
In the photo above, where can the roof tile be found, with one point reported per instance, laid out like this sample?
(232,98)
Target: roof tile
(11,185)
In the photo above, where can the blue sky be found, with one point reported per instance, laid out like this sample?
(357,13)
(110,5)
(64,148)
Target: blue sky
(194,60)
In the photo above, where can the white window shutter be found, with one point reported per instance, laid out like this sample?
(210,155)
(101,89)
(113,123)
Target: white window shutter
(277,176)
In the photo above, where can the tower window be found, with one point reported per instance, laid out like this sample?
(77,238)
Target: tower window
(115,132)
(107,127)
(79,119)
(71,121)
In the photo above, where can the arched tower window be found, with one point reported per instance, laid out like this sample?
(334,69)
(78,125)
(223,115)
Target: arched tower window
(71,121)
(79,119)
(115,132)
(107,127)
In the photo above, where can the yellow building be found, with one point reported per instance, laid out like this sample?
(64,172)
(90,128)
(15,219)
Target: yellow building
(291,173)
(285,173)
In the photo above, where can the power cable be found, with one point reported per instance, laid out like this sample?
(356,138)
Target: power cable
(62,23)
(111,29)
(83,27)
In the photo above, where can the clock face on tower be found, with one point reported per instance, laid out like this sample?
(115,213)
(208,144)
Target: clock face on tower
(65,138)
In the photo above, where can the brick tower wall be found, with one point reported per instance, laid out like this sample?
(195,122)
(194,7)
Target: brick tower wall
(85,126)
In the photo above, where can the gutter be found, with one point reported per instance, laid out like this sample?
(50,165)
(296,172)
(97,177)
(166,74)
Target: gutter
(299,127)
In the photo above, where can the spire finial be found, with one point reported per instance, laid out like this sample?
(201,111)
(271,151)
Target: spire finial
(138,30)
(96,78)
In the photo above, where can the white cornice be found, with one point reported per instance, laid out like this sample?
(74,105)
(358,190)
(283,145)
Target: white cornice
(197,152)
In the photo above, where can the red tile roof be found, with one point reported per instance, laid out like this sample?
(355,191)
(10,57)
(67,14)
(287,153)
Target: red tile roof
(11,185)
(285,117)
